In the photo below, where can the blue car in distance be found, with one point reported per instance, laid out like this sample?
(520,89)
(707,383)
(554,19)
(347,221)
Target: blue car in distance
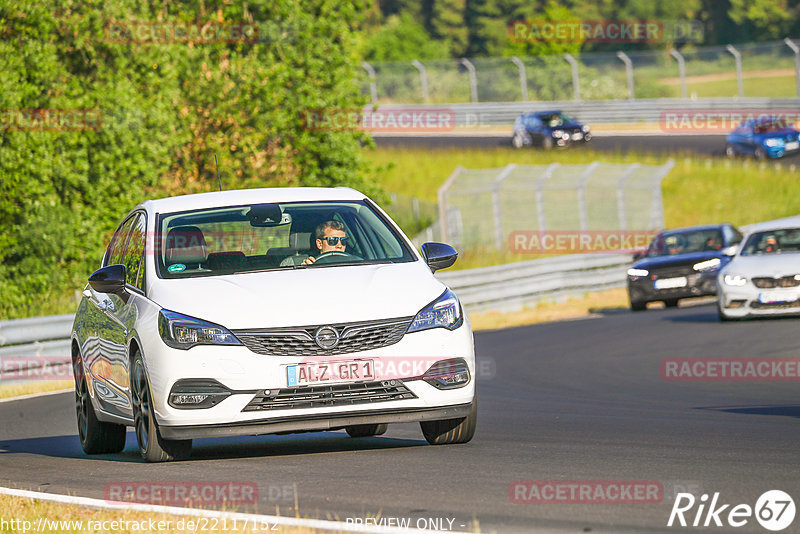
(765,137)
(548,129)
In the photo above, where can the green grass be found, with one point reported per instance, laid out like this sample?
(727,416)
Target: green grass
(773,86)
(698,190)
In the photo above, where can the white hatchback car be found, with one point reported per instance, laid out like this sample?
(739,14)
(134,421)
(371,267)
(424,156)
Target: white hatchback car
(764,276)
(268,310)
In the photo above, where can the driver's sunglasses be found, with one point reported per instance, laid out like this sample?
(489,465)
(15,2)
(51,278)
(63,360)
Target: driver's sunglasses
(333,241)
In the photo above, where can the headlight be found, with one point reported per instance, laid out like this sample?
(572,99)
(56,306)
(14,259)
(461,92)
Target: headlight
(707,265)
(585,128)
(183,332)
(734,280)
(635,273)
(443,312)
(773,142)
(558,133)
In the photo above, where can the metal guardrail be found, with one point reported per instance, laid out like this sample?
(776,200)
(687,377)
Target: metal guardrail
(509,287)
(502,288)
(594,112)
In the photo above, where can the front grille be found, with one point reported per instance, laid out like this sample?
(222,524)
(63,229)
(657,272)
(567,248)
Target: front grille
(354,337)
(334,395)
(767,283)
(673,272)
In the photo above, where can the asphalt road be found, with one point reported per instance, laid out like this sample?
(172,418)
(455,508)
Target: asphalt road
(708,145)
(576,400)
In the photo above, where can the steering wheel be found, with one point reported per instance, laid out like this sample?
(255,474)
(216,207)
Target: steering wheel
(336,257)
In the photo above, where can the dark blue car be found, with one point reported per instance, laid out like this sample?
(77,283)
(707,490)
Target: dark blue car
(762,138)
(681,263)
(548,129)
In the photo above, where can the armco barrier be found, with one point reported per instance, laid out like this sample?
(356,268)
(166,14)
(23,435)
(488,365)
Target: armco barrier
(502,288)
(593,111)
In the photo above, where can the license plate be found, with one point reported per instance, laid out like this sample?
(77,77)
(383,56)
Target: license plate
(671,283)
(306,373)
(794,145)
(769,297)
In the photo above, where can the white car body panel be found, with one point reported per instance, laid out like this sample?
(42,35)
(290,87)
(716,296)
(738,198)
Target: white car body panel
(320,295)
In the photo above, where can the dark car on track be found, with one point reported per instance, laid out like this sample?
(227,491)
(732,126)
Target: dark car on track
(762,138)
(680,263)
(548,129)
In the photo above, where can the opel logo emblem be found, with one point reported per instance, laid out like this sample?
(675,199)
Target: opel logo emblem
(326,337)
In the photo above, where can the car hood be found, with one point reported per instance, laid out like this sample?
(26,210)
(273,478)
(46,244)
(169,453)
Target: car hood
(299,297)
(765,265)
(676,260)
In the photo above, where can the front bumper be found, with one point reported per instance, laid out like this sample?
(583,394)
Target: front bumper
(697,285)
(248,375)
(739,302)
(315,422)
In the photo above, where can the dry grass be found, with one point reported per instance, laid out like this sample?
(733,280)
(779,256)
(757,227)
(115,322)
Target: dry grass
(91,521)
(574,308)
(33,386)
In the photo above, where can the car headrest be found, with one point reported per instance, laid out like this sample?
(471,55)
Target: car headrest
(300,241)
(226,261)
(186,244)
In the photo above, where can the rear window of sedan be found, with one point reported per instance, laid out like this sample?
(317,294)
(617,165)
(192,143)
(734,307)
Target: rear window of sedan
(257,237)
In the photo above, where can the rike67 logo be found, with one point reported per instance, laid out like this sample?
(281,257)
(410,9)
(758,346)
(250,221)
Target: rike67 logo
(774,511)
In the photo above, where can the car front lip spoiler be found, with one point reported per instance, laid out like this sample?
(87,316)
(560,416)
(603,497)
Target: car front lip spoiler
(317,422)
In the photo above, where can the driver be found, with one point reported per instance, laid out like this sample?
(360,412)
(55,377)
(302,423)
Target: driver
(331,237)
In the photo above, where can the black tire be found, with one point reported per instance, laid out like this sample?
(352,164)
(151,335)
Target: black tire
(365,431)
(638,305)
(158,449)
(96,437)
(449,431)
(671,303)
(730,151)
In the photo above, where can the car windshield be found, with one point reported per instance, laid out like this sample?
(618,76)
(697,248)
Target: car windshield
(770,126)
(772,242)
(259,237)
(668,244)
(554,120)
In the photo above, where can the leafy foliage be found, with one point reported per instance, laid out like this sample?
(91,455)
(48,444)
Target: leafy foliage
(166,107)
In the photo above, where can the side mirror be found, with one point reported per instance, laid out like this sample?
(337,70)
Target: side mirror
(438,255)
(730,251)
(110,279)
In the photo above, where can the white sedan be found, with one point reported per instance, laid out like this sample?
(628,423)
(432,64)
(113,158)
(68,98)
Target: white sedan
(764,276)
(268,310)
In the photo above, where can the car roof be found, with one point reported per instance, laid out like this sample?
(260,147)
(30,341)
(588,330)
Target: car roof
(776,224)
(694,228)
(241,197)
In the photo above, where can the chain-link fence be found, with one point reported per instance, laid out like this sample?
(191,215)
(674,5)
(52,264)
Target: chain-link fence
(754,70)
(491,208)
